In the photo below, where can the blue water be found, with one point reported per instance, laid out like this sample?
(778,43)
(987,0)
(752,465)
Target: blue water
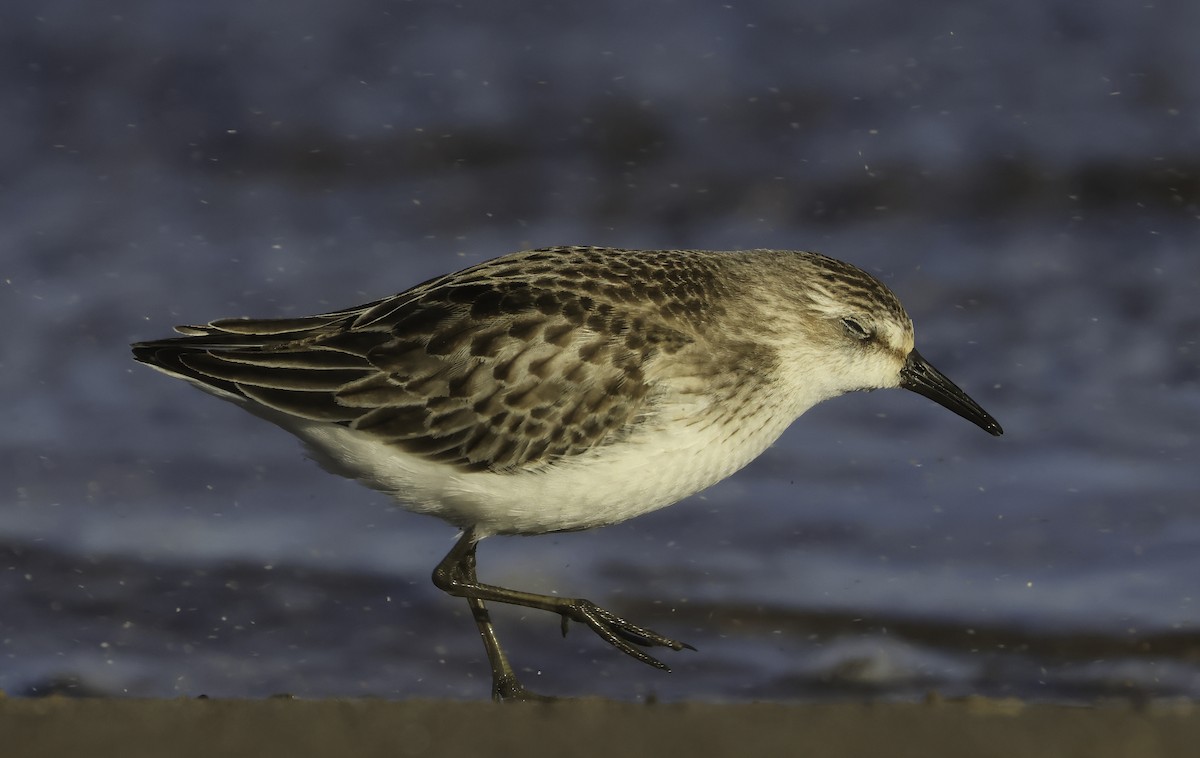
(1024,176)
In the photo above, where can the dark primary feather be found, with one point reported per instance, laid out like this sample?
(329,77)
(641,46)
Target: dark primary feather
(512,363)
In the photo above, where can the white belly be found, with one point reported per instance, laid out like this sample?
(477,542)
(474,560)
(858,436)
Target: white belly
(647,471)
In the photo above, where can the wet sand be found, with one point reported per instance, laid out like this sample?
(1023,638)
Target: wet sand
(99,727)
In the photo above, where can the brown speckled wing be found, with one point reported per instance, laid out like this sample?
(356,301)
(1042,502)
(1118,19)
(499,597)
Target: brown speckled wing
(510,364)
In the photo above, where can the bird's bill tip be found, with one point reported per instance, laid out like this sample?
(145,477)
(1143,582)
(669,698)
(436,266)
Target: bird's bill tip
(922,378)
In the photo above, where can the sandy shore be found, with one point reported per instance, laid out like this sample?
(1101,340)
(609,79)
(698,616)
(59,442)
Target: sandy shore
(229,728)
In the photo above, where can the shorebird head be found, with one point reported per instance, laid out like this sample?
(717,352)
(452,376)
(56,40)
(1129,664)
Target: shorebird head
(866,339)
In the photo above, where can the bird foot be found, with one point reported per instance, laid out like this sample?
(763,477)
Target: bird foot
(506,689)
(618,632)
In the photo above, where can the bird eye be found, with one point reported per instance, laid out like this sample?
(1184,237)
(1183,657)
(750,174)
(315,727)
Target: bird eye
(857,330)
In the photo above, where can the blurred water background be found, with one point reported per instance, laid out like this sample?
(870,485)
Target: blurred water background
(1026,175)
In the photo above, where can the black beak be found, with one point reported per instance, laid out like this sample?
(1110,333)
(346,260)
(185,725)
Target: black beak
(923,379)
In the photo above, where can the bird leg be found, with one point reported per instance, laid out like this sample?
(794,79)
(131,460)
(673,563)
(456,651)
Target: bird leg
(505,685)
(455,575)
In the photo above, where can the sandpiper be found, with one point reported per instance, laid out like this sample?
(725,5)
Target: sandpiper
(564,388)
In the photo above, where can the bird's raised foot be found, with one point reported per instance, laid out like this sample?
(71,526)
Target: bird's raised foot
(618,632)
